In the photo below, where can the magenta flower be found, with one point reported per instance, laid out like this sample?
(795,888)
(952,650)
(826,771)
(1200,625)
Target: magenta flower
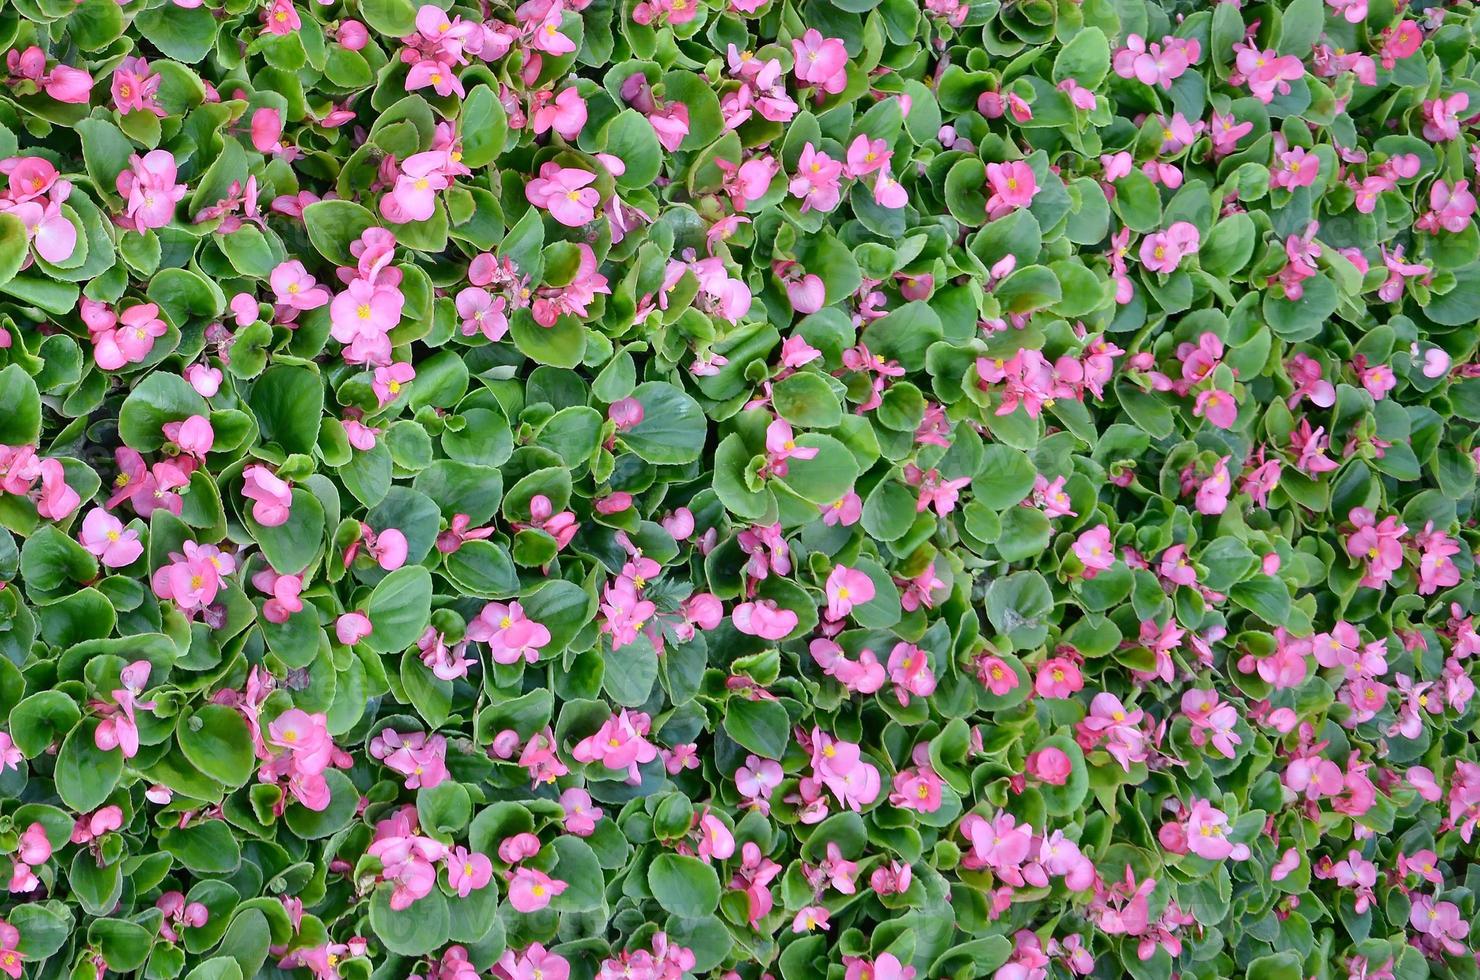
(565,193)
(106,537)
(818,180)
(511,636)
(272,498)
(821,61)
(620,743)
(846,588)
(764,618)
(1012,186)
(150,191)
(1094,549)
(295,288)
(468,871)
(352,627)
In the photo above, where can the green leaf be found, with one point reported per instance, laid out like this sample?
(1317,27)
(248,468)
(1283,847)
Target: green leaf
(216,741)
(762,727)
(20,422)
(672,429)
(399,609)
(334,225)
(85,774)
(683,885)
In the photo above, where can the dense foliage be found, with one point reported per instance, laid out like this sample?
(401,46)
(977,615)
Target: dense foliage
(851,489)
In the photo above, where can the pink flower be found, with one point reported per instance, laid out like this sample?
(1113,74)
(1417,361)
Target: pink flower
(847,587)
(1013,186)
(1058,677)
(565,113)
(1095,550)
(996,676)
(366,311)
(910,673)
(135,87)
(1207,834)
(821,61)
(281,17)
(531,890)
(1220,408)
(565,193)
(10,756)
(482,312)
(1379,544)
(390,380)
(150,191)
(352,627)
(813,916)
(580,815)
(625,413)
(295,288)
(106,537)
(192,579)
(781,446)
(818,179)
(1164,251)
(468,871)
(204,379)
(620,743)
(272,497)
(764,618)
(1050,765)
(845,511)
(511,636)
(57,500)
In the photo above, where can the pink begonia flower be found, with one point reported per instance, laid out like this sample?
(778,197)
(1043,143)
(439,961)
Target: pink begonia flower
(847,510)
(1094,549)
(193,437)
(1057,677)
(272,498)
(389,380)
(1212,493)
(1207,834)
(135,87)
(105,536)
(910,673)
(192,578)
(818,180)
(1266,73)
(294,287)
(511,635)
(149,190)
(284,591)
(580,814)
(204,379)
(1159,64)
(996,676)
(1012,185)
(763,618)
(821,61)
(1050,765)
(118,729)
(565,193)
(352,627)
(531,890)
(846,588)
(468,871)
(1220,408)
(1451,207)
(1379,544)
(421,759)
(1164,251)
(57,501)
(482,312)
(620,743)
(625,413)
(781,446)
(365,311)
(1294,168)
(10,756)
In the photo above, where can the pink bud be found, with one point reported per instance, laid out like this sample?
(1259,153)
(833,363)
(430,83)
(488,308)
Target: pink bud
(352,35)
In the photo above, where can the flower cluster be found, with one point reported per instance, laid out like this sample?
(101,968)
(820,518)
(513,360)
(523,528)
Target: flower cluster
(739,488)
